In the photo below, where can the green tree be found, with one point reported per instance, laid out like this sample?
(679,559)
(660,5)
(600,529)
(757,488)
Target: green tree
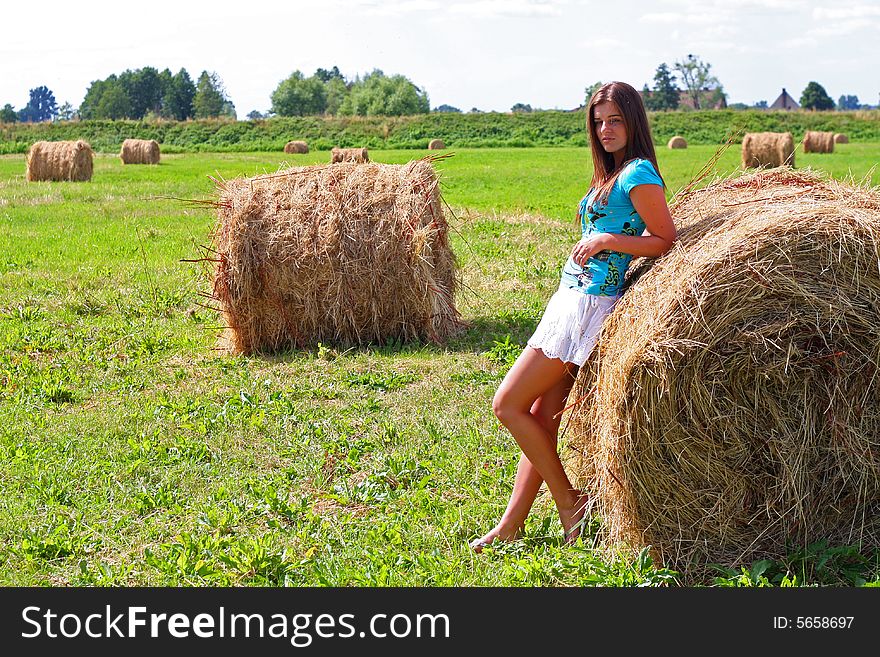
(66,112)
(336,90)
(521,108)
(177,103)
(107,99)
(325,76)
(41,106)
(144,88)
(646,97)
(8,114)
(590,90)
(697,79)
(113,104)
(166,80)
(665,94)
(89,107)
(299,96)
(379,95)
(847,102)
(814,97)
(210,98)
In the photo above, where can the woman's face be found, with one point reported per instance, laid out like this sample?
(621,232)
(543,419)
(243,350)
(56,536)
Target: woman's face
(609,126)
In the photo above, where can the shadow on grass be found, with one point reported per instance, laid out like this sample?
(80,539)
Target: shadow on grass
(482,332)
(479,335)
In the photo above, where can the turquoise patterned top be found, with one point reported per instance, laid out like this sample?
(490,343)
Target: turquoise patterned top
(604,272)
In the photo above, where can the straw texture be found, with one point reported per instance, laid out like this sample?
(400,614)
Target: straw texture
(139,151)
(344,254)
(60,161)
(818,142)
(349,155)
(767,149)
(677,142)
(296,147)
(436,145)
(731,411)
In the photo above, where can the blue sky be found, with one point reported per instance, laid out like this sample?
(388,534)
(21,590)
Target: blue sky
(488,54)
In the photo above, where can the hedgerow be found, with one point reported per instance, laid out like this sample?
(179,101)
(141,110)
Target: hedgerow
(491,129)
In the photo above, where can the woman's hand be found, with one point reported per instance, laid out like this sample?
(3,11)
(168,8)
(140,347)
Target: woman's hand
(650,203)
(588,247)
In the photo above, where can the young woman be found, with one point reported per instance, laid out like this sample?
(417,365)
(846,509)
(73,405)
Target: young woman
(624,214)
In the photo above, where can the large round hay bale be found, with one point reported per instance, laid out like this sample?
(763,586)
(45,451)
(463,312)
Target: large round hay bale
(436,145)
(767,149)
(818,142)
(359,155)
(342,254)
(296,147)
(840,138)
(731,412)
(677,142)
(60,160)
(139,151)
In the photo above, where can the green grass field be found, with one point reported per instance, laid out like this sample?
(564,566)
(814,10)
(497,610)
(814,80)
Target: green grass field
(132,452)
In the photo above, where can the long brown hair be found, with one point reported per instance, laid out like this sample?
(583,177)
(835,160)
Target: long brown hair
(639,143)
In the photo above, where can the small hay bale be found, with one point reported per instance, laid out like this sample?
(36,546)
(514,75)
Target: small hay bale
(677,142)
(840,138)
(359,155)
(60,160)
(139,151)
(731,412)
(296,147)
(344,254)
(818,142)
(436,145)
(767,149)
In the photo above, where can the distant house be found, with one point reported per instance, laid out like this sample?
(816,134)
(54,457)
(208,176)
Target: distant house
(784,102)
(709,99)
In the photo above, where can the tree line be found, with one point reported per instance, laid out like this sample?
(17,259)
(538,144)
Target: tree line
(140,94)
(327,92)
(149,93)
(702,90)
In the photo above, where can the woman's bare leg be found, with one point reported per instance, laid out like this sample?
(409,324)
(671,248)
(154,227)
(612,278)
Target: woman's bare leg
(529,402)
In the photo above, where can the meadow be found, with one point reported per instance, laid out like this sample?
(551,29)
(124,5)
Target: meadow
(134,453)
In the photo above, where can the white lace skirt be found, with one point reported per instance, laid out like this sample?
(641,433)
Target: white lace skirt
(570,325)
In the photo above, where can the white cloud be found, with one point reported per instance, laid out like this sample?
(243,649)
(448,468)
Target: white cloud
(800,42)
(396,8)
(490,8)
(602,43)
(856,11)
(735,5)
(763,4)
(679,18)
(842,28)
